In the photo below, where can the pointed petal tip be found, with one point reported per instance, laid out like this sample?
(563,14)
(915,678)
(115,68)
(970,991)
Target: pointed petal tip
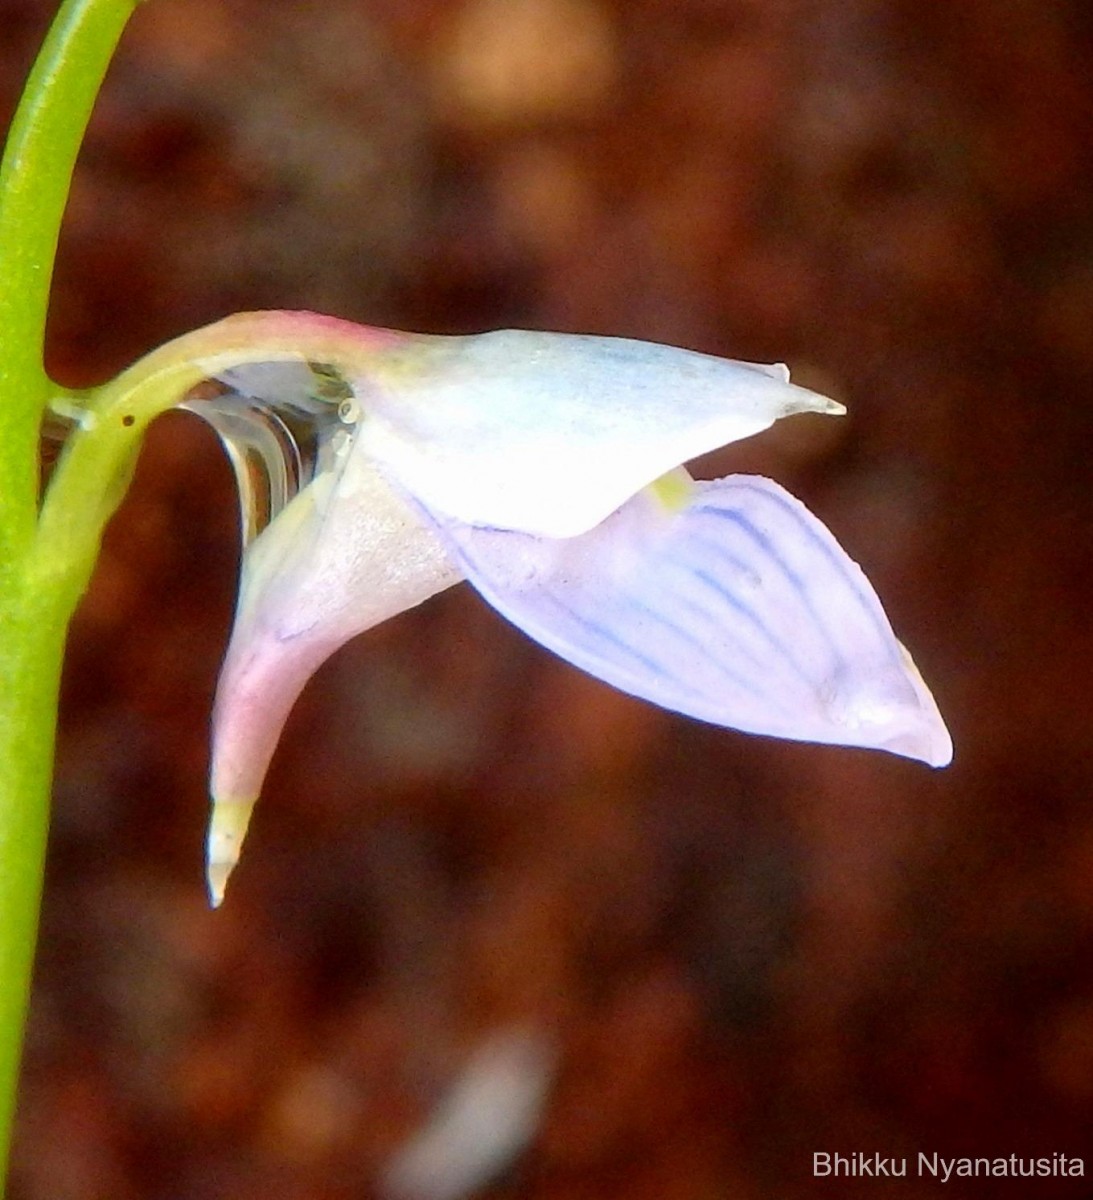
(934,741)
(942,759)
(940,752)
(802,400)
(227,829)
(878,711)
(824,405)
(927,741)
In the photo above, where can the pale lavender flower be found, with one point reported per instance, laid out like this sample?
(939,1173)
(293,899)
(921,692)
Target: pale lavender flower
(546,470)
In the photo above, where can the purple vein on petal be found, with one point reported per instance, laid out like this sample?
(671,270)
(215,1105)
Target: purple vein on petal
(762,628)
(810,529)
(740,609)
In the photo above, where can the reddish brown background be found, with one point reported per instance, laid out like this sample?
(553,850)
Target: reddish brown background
(744,951)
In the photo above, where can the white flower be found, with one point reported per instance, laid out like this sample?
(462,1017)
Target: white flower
(545,469)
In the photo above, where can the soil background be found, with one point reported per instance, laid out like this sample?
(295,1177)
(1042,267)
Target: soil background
(715,954)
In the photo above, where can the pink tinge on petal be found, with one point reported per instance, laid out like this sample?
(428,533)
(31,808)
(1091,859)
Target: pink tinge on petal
(346,554)
(298,334)
(259,683)
(740,609)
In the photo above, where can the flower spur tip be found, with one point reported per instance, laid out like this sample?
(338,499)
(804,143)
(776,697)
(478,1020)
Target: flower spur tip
(227,829)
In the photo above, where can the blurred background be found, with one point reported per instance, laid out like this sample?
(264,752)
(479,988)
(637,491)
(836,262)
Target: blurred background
(500,931)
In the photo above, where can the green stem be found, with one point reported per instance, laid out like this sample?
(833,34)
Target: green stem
(34,643)
(34,181)
(41,151)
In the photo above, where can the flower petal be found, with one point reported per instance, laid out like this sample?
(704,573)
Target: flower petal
(549,433)
(344,555)
(738,608)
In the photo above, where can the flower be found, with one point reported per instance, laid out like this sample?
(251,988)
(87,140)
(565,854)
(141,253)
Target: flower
(546,470)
